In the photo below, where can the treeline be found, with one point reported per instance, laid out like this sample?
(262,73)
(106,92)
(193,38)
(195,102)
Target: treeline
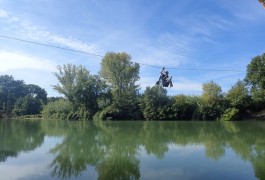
(18,98)
(113,94)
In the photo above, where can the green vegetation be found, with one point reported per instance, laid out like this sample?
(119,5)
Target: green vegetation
(113,94)
(18,98)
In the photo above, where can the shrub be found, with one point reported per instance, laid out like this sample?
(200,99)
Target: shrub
(59,109)
(230,114)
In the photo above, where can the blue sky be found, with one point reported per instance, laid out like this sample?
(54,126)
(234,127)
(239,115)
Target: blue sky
(177,34)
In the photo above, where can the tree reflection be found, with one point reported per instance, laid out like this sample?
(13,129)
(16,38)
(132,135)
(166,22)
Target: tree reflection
(19,136)
(113,148)
(106,150)
(119,166)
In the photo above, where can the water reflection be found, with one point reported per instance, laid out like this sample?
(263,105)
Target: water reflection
(19,136)
(115,149)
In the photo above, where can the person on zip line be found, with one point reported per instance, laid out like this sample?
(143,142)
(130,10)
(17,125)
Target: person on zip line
(164,79)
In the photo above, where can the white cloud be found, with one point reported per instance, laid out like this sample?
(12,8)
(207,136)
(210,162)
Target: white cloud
(29,32)
(15,60)
(33,32)
(3,14)
(170,50)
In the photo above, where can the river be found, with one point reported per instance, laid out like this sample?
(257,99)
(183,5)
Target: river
(48,149)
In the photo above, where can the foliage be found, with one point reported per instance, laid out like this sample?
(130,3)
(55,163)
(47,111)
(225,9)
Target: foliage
(212,101)
(20,98)
(52,99)
(37,93)
(238,96)
(184,107)
(32,103)
(70,76)
(121,75)
(155,103)
(255,78)
(10,91)
(230,114)
(120,111)
(59,109)
(81,89)
(114,95)
(27,105)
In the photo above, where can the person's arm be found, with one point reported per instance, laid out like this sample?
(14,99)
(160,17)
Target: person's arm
(161,72)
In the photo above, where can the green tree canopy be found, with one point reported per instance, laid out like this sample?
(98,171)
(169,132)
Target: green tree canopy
(80,88)
(10,91)
(211,101)
(120,73)
(238,95)
(255,78)
(155,103)
(20,98)
(69,77)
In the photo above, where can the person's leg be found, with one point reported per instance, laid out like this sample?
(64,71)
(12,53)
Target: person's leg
(170,81)
(159,80)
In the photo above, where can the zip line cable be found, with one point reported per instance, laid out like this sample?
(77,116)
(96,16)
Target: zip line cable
(196,69)
(98,55)
(48,45)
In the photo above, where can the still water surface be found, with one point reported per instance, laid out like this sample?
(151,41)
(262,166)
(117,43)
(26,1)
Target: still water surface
(46,149)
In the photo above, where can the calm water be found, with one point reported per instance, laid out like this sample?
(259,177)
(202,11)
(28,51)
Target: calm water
(132,150)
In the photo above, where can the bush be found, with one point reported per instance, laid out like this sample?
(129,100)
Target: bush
(230,114)
(59,109)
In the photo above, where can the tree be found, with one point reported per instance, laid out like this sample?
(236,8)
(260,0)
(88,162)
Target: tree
(155,103)
(69,76)
(255,78)
(121,74)
(27,105)
(238,96)
(184,107)
(81,89)
(37,92)
(88,91)
(20,98)
(10,91)
(58,109)
(212,102)
(32,102)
